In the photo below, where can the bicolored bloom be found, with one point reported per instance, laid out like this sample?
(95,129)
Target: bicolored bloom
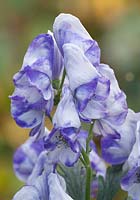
(115,104)
(97,93)
(44,188)
(116,150)
(26,156)
(131,181)
(62,140)
(68,29)
(89,88)
(33,95)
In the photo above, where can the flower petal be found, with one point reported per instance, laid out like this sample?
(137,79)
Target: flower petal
(68,29)
(40,50)
(78,67)
(57,60)
(131,183)
(116,150)
(66,115)
(97,163)
(28,193)
(116,104)
(56,189)
(84,93)
(25,108)
(93,110)
(26,156)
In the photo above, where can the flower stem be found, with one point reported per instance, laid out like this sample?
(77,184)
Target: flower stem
(90,135)
(57,97)
(88,183)
(85,155)
(88,174)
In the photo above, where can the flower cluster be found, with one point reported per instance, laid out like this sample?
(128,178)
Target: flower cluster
(87,94)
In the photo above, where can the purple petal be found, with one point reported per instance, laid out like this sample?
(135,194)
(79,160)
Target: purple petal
(63,148)
(116,104)
(57,60)
(84,93)
(93,110)
(117,150)
(131,183)
(43,165)
(68,29)
(25,108)
(79,70)
(56,188)
(66,115)
(40,50)
(25,158)
(97,163)
(102,89)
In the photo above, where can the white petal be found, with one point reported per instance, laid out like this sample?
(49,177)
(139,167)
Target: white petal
(56,189)
(78,67)
(66,114)
(28,193)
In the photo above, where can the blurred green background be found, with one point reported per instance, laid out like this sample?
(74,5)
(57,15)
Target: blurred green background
(114,24)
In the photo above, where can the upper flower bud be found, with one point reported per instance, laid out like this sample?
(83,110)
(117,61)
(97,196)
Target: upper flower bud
(68,29)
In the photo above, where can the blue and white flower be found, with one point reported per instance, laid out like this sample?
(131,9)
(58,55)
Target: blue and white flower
(89,88)
(33,95)
(68,29)
(26,156)
(62,141)
(45,187)
(116,150)
(131,181)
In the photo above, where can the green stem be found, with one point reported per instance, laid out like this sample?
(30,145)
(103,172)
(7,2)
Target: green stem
(62,81)
(57,97)
(85,155)
(83,161)
(90,136)
(88,174)
(88,182)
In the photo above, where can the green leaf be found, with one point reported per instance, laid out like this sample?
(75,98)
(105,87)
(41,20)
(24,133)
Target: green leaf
(109,187)
(75,180)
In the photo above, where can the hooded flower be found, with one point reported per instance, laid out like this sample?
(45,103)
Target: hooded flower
(33,95)
(89,88)
(68,29)
(44,188)
(26,157)
(62,140)
(96,91)
(116,150)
